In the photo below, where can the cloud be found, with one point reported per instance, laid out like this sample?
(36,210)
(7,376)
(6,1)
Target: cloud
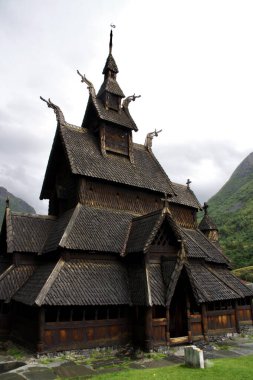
(190,62)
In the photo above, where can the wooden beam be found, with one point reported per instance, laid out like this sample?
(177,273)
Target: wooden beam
(148,343)
(237,317)
(168,325)
(188,311)
(41,327)
(204,321)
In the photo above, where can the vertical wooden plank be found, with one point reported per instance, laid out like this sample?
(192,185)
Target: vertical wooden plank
(167,325)
(251,309)
(41,327)
(148,343)
(188,313)
(204,321)
(237,317)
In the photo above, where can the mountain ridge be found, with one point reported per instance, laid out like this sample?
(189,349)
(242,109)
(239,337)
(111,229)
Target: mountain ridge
(232,210)
(16,203)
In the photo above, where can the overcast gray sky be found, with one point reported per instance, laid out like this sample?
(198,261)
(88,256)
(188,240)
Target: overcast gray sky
(191,61)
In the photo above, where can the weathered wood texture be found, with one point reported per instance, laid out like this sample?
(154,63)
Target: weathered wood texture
(85,334)
(102,194)
(221,320)
(116,140)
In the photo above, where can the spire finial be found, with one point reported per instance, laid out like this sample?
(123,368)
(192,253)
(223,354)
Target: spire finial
(7,202)
(188,183)
(205,207)
(111,35)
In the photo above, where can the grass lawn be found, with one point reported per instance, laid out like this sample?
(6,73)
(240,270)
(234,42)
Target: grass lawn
(225,369)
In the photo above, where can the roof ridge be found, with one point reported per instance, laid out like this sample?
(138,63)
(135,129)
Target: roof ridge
(209,241)
(147,215)
(155,229)
(202,292)
(191,238)
(38,216)
(9,231)
(222,280)
(49,282)
(7,270)
(70,224)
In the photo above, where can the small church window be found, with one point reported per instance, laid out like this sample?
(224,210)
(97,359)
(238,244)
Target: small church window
(102,312)
(64,315)
(51,314)
(90,313)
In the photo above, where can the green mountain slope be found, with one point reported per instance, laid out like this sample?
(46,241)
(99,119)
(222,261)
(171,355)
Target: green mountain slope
(16,204)
(232,210)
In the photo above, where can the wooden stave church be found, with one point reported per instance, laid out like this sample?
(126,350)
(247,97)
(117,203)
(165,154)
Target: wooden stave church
(120,258)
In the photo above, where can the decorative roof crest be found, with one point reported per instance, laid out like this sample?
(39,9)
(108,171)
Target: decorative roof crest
(149,138)
(90,87)
(58,112)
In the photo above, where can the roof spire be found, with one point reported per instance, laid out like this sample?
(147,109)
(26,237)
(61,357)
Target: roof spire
(205,207)
(7,202)
(111,35)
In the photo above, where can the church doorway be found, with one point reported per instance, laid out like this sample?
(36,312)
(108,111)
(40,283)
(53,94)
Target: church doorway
(178,310)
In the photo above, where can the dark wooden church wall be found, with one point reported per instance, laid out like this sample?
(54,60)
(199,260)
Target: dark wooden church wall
(116,140)
(25,324)
(102,194)
(5,319)
(85,327)
(185,216)
(65,195)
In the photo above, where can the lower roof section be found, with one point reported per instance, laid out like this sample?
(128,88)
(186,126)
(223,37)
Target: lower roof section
(13,278)
(77,282)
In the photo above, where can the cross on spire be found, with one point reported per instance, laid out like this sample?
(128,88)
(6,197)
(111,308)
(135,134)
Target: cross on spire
(165,200)
(205,207)
(188,183)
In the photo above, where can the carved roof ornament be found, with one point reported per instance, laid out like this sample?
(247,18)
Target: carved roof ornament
(205,207)
(58,112)
(7,202)
(188,182)
(90,87)
(149,138)
(165,201)
(129,99)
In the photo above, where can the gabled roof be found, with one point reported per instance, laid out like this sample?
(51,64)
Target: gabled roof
(26,232)
(12,279)
(85,158)
(144,229)
(198,246)
(112,86)
(214,283)
(207,224)
(110,64)
(77,282)
(90,229)
(184,196)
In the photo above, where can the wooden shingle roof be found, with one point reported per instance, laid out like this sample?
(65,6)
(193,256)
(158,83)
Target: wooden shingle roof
(77,282)
(215,283)
(13,278)
(198,246)
(85,158)
(27,232)
(144,229)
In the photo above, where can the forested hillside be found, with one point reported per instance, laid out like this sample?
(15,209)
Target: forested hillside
(232,210)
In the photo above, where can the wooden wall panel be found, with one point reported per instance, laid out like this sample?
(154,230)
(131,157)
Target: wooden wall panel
(102,194)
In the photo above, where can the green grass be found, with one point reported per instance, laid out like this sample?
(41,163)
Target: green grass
(225,369)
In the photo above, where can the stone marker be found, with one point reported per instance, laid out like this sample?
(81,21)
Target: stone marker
(194,357)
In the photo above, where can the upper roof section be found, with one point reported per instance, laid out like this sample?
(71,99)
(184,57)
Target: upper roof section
(106,104)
